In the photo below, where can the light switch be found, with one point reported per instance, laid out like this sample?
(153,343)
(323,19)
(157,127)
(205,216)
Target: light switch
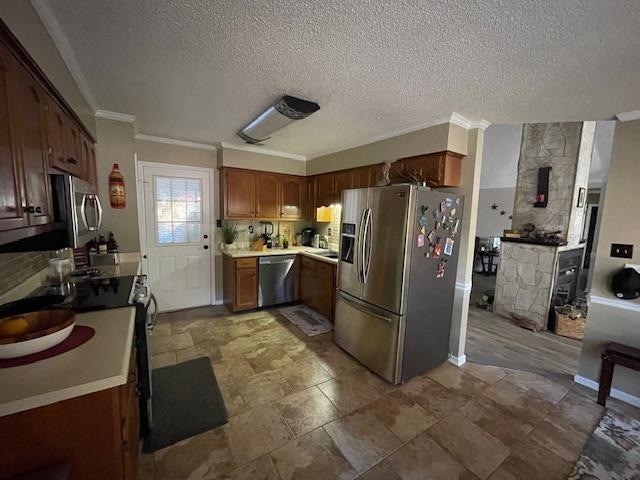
(621,250)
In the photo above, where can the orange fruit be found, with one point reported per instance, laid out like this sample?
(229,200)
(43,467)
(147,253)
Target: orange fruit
(14,327)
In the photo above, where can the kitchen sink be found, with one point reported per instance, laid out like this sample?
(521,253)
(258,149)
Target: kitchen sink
(327,254)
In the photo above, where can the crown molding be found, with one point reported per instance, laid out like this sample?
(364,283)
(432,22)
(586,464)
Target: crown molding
(264,151)
(118,117)
(61,42)
(628,116)
(454,118)
(173,141)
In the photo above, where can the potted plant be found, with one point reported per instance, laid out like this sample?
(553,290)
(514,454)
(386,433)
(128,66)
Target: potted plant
(285,242)
(229,232)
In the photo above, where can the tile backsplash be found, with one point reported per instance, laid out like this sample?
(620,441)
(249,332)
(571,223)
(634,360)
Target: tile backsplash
(332,229)
(246,237)
(17,267)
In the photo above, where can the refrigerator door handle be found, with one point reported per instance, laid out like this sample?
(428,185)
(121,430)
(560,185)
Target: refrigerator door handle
(362,309)
(361,250)
(369,240)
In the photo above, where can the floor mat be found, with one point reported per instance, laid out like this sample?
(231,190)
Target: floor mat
(186,401)
(310,322)
(612,451)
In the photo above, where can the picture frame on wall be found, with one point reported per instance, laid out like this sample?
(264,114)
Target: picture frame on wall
(582,193)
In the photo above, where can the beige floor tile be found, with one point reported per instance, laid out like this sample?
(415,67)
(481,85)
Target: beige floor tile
(203,456)
(401,415)
(532,462)
(496,420)
(231,395)
(423,458)
(235,367)
(383,471)
(522,403)
(336,362)
(304,372)
(578,411)
(307,410)
(256,432)
(549,390)
(159,360)
(312,457)
(162,330)
(362,439)
(187,324)
(456,379)
(433,397)
(566,440)
(267,357)
(486,373)
(264,388)
(146,466)
(480,452)
(170,343)
(237,347)
(354,390)
(259,469)
(205,349)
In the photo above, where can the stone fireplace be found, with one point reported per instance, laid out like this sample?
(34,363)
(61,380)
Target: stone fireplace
(527,270)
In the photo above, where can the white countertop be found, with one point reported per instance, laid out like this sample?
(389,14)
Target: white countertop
(306,251)
(99,364)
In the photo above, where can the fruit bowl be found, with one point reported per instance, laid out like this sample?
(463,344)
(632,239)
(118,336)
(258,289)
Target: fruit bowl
(33,332)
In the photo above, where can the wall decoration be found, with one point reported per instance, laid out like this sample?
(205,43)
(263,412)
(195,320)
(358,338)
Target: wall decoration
(494,207)
(582,193)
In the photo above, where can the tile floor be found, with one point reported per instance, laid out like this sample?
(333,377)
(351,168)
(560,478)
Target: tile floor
(300,408)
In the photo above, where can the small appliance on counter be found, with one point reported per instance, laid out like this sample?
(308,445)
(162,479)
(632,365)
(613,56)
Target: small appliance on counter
(267,232)
(307,236)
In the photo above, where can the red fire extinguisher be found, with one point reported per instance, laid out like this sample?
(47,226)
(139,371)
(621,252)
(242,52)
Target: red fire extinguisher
(116,188)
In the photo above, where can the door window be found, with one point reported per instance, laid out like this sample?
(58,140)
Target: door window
(178,210)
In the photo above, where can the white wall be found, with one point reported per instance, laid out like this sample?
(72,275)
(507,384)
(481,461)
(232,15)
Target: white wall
(490,222)
(500,158)
(601,155)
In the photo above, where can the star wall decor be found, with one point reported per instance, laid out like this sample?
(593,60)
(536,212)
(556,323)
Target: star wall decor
(502,212)
(494,207)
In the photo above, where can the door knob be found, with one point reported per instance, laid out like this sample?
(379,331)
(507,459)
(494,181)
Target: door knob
(206,247)
(206,236)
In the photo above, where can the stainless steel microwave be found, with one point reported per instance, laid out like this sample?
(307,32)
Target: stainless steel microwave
(79,207)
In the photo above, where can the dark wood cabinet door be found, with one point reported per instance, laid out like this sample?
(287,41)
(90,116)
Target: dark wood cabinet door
(88,154)
(324,189)
(246,288)
(361,177)
(324,289)
(307,282)
(11,202)
(310,199)
(343,180)
(73,148)
(375,174)
(56,133)
(239,193)
(292,194)
(267,195)
(33,143)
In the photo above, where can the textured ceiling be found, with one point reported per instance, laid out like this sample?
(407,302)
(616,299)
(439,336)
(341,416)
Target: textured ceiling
(199,70)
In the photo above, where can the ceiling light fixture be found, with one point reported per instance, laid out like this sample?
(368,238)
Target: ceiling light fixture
(276,117)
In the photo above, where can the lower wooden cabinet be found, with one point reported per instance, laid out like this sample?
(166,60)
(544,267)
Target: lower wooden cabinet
(97,435)
(318,286)
(240,283)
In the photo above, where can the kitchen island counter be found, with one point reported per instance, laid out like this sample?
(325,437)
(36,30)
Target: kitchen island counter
(99,364)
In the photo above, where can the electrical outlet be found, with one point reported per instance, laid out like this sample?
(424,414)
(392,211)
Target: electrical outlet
(621,250)
(250,228)
(329,232)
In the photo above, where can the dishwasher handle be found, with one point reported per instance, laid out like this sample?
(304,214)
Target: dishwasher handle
(276,260)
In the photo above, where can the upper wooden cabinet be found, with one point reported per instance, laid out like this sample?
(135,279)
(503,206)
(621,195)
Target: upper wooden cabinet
(263,195)
(267,195)
(324,189)
(56,133)
(343,181)
(33,143)
(441,169)
(11,206)
(293,192)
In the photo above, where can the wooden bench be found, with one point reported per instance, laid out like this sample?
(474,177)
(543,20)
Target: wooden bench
(615,353)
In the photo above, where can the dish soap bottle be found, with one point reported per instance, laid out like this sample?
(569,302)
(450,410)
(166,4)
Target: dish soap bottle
(112,245)
(116,188)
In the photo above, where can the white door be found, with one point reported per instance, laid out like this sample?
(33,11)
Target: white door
(177,221)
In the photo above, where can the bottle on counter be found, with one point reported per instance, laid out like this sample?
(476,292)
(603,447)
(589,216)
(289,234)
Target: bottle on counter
(102,244)
(112,245)
(92,246)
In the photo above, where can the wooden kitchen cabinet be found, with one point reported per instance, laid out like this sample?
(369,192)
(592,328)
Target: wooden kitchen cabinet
(33,142)
(324,189)
(89,168)
(267,193)
(238,193)
(441,169)
(97,435)
(292,197)
(56,135)
(343,181)
(11,204)
(318,286)
(240,283)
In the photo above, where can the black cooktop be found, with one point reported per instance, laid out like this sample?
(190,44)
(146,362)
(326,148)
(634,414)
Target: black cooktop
(87,294)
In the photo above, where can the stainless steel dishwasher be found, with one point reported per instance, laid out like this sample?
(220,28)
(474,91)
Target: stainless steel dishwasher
(277,280)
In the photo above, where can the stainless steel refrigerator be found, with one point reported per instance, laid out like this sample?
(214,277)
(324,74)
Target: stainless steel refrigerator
(396,277)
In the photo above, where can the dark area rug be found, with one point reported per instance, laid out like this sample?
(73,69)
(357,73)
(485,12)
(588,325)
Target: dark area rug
(613,450)
(186,401)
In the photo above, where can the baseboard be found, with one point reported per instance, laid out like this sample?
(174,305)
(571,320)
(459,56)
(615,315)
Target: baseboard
(458,361)
(615,393)
(217,302)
